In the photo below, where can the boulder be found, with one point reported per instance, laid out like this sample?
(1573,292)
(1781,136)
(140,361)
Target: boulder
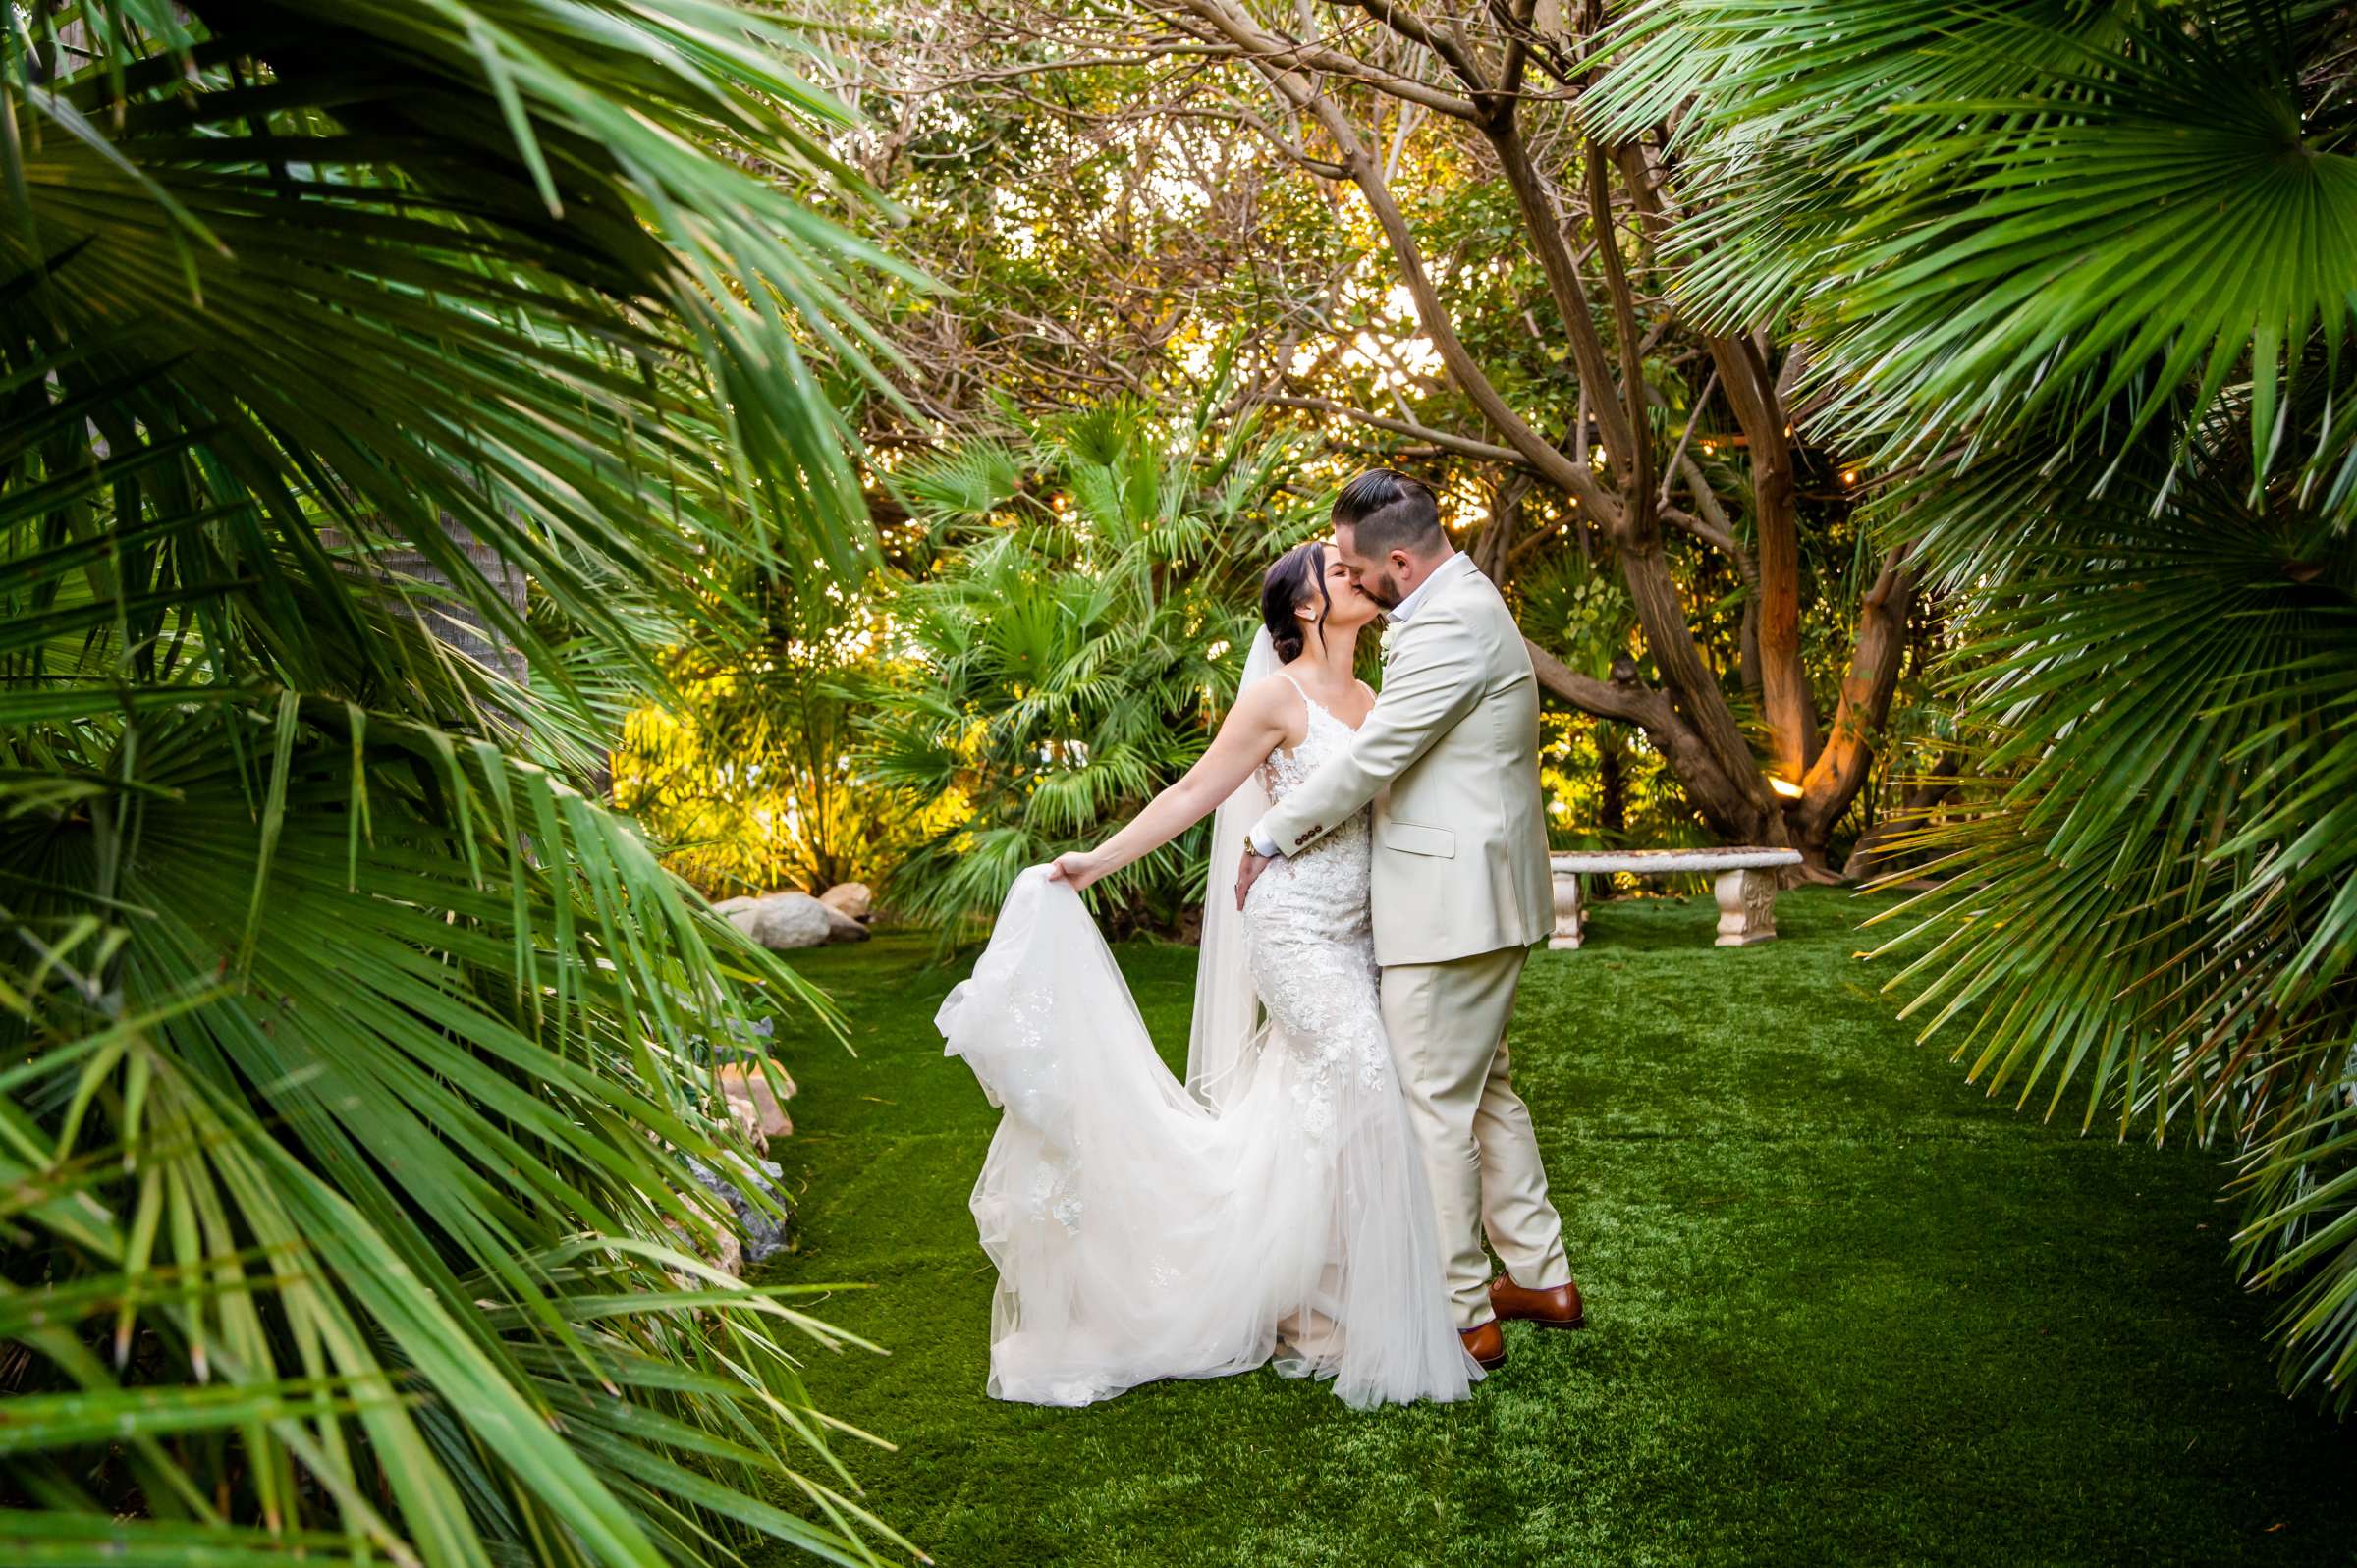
(752,1098)
(853,899)
(745,1118)
(752,1231)
(781,921)
(757,1234)
(843,928)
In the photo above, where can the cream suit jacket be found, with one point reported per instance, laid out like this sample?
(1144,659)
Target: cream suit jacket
(1460,837)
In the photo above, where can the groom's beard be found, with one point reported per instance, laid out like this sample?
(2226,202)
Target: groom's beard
(1380,587)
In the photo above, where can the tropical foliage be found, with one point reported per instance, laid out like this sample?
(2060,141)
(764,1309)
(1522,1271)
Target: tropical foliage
(748,777)
(1389,227)
(2081,274)
(1071,656)
(348,1154)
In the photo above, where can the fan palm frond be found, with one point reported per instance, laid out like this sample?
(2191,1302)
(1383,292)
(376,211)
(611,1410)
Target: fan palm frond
(1065,672)
(2079,274)
(376,385)
(2146,904)
(2040,222)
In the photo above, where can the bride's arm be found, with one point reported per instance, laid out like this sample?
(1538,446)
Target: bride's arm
(1253,728)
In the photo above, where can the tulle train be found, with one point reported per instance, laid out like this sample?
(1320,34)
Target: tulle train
(1137,1235)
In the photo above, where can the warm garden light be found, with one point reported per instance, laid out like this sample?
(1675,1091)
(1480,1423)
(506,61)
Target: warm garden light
(557,556)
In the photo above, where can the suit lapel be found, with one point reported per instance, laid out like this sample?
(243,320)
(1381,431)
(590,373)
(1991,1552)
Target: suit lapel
(1441,591)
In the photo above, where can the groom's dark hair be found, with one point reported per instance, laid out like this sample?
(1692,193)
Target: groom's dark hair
(1388,511)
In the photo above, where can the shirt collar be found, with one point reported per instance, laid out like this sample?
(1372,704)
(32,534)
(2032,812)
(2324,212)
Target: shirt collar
(1449,571)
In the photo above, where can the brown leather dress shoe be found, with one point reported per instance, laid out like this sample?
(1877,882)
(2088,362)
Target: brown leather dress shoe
(1485,1344)
(1559,1308)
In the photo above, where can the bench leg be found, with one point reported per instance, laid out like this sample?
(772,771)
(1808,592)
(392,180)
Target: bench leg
(1566,910)
(1746,907)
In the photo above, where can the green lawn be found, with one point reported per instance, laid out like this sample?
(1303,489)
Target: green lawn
(1843,1310)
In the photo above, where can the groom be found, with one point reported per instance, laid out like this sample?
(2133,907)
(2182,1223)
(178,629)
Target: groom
(1461,890)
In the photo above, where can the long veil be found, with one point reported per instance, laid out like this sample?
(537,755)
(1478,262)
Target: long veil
(1227,1026)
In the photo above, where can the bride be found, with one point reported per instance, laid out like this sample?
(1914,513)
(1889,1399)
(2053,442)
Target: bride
(1280,1211)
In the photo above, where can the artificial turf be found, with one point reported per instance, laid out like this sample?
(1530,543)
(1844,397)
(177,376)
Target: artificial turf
(1844,1309)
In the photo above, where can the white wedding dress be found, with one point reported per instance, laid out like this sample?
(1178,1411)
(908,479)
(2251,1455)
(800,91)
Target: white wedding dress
(1141,1233)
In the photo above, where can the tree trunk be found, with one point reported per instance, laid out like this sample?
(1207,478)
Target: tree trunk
(456,620)
(1784,699)
(1875,844)
(1611,777)
(1839,771)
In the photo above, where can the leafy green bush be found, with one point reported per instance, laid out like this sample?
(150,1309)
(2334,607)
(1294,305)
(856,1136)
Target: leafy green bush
(347,1148)
(2080,276)
(747,776)
(1071,643)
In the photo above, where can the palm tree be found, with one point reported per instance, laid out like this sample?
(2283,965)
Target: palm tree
(348,1149)
(752,780)
(2081,275)
(1093,598)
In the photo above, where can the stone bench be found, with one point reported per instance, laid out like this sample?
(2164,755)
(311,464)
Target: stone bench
(1745,886)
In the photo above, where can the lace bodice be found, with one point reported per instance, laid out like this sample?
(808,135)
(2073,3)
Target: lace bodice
(1286,771)
(1312,939)
(1333,868)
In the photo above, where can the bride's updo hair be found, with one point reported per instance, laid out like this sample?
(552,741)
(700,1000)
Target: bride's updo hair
(1287,584)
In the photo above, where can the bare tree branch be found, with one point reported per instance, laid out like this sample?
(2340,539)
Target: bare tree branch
(1266,47)
(1462,446)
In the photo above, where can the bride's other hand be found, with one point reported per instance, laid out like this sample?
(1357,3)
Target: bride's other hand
(1078,867)
(1249,873)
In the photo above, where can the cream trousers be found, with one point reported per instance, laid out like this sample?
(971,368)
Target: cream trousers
(1446,1023)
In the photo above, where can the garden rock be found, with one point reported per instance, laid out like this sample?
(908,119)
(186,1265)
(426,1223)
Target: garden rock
(843,928)
(853,898)
(758,1234)
(781,921)
(755,1104)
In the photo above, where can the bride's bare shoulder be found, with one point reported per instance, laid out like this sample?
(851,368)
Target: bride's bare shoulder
(1270,699)
(1266,705)
(1272,691)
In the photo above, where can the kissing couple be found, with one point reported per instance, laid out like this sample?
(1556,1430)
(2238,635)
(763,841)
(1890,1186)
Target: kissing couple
(1316,1194)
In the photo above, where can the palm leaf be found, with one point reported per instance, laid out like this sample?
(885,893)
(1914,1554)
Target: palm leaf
(352,1131)
(2119,219)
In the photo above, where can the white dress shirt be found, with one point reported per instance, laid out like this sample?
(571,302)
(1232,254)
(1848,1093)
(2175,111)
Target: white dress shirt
(1457,564)
(1449,571)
